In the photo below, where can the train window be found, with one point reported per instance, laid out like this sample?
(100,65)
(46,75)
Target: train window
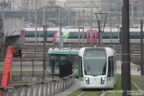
(40,34)
(89,35)
(84,35)
(134,35)
(29,34)
(94,36)
(79,35)
(106,35)
(115,35)
(110,66)
(73,35)
(50,33)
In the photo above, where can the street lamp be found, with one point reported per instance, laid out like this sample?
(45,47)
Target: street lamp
(99,17)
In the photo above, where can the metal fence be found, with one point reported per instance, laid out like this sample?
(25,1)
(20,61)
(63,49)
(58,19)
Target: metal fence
(28,78)
(26,69)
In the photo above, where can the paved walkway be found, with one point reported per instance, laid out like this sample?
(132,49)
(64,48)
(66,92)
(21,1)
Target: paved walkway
(134,68)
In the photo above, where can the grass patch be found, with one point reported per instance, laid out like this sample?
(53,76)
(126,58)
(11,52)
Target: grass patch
(117,91)
(92,93)
(118,83)
(75,93)
(87,93)
(114,94)
(139,81)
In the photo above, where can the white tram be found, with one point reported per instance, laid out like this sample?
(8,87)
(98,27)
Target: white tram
(97,67)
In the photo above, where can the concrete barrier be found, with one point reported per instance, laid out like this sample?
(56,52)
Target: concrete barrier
(40,88)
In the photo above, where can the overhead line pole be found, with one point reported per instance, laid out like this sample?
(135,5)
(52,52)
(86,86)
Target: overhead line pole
(99,33)
(44,48)
(142,59)
(44,20)
(79,28)
(3,19)
(36,22)
(126,78)
(91,22)
(141,36)
(60,28)
(83,27)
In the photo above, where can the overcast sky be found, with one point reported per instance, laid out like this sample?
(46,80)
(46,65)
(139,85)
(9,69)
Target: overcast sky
(61,0)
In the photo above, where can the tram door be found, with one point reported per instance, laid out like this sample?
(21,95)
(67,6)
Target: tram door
(65,66)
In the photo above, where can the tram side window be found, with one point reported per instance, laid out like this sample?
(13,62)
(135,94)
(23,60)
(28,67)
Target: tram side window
(74,60)
(80,67)
(52,63)
(110,66)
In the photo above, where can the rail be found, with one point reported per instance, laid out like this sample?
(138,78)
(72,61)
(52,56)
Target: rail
(39,88)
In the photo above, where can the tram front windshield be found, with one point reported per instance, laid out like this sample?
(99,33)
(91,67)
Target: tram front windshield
(95,62)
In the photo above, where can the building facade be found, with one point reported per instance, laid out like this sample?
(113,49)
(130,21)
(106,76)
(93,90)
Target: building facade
(19,5)
(86,5)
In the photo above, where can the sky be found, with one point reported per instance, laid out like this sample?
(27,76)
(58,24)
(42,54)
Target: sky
(61,0)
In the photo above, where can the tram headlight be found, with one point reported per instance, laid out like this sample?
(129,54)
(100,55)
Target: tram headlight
(87,80)
(103,80)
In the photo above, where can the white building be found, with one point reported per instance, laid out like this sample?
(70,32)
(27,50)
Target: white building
(86,5)
(9,5)
(31,4)
(15,5)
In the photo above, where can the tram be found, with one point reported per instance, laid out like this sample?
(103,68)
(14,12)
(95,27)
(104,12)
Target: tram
(60,56)
(97,67)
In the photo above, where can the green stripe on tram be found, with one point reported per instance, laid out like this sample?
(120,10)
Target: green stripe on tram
(74,53)
(81,78)
(66,36)
(110,78)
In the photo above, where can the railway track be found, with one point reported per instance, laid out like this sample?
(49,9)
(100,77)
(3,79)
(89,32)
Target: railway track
(100,93)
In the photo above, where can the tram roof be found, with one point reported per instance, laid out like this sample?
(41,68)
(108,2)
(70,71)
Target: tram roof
(73,51)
